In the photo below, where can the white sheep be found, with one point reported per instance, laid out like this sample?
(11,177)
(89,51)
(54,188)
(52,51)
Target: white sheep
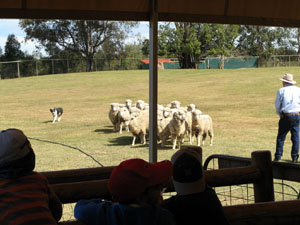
(175,104)
(123,118)
(201,127)
(113,115)
(167,112)
(191,107)
(176,128)
(128,104)
(142,105)
(162,130)
(189,123)
(160,110)
(139,126)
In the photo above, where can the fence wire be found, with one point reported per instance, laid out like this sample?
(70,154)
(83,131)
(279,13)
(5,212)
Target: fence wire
(244,194)
(37,67)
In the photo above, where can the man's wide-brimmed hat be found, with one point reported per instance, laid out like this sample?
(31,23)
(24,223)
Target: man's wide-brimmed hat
(288,78)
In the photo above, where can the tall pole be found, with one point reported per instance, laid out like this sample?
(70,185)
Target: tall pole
(153,74)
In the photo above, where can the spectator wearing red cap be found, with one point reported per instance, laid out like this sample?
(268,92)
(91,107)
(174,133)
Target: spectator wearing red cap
(25,196)
(136,186)
(195,202)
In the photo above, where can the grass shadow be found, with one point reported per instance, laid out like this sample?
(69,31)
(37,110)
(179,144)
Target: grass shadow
(48,121)
(105,131)
(120,141)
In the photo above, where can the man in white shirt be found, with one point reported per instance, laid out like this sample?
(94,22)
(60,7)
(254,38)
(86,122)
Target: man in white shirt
(287,106)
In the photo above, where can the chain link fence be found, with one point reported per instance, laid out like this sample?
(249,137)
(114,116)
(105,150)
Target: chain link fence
(24,68)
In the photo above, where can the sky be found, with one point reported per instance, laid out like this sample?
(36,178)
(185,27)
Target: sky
(11,26)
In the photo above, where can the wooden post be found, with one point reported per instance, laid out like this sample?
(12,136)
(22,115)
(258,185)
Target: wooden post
(18,67)
(36,68)
(264,188)
(52,63)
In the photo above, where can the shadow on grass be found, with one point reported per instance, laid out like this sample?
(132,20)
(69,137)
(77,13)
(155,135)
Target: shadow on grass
(48,121)
(120,141)
(127,141)
(105,131)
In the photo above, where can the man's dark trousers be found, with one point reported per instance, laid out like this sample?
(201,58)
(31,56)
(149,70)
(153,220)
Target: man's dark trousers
(288,123)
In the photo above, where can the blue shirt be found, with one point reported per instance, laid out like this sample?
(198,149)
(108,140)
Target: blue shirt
(288,99)
(101,212)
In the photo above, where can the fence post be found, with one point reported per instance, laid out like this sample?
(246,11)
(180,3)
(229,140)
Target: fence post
(18,65)
(36,68)
(264,188)
(52,63)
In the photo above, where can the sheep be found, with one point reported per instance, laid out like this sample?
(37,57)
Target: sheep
(191,107)
(128,104)
(113,115)
(189,121)
(201,127)
(123,117)
(176,128)
(175,104)
(160,110)
(162,123)
(133,110)
(167,112)
(142,105)
(139,126)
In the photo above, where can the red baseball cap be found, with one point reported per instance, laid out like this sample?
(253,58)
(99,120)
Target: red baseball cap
(131,177)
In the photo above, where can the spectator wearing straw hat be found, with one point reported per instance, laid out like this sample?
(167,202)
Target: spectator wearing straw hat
(195,202)
(287,106)
(136,187)
(25,196)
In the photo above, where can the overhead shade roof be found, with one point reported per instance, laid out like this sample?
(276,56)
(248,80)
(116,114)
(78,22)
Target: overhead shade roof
(255,12)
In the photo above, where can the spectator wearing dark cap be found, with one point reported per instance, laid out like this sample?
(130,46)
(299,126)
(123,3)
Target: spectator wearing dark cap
(195,202)
(136,186)
(25,195)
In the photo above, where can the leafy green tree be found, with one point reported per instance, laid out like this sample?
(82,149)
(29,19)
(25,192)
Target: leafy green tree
(12,49)
(181,41)
(256,41)
(217,40)
(190,42)
(84,37)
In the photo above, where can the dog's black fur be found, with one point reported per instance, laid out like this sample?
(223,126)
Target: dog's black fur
(56,113)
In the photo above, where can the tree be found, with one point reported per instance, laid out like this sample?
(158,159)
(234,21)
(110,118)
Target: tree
(80,36)
(190,42)
(12,49)
(256,41)
(217,40)
(13,52)
(181,41)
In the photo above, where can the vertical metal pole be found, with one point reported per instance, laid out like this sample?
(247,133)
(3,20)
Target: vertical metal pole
(153,74)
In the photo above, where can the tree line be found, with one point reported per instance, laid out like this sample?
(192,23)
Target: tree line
(188,42)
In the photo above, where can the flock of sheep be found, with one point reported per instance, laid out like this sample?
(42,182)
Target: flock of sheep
(173,121)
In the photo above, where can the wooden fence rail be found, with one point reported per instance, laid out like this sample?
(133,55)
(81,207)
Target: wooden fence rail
(73,185)
(264,213)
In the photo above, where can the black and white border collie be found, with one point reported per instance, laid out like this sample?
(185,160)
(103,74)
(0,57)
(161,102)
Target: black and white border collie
(56,113)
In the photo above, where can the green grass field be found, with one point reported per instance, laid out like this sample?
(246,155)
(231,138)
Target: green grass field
(240,102)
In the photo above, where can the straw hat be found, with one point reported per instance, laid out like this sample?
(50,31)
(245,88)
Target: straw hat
(288,78)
